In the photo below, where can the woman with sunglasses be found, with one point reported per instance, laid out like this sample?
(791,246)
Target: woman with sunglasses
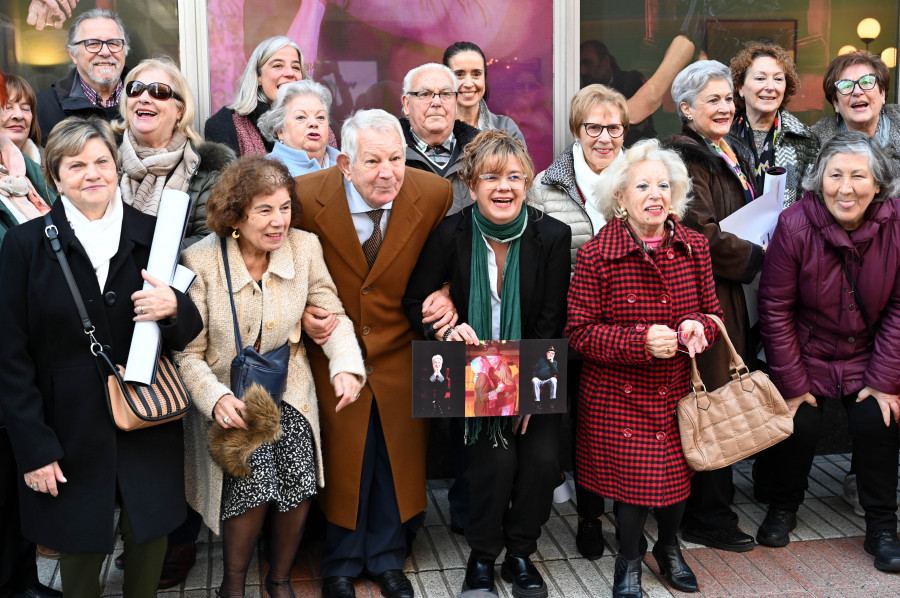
(856,85)
(160,150)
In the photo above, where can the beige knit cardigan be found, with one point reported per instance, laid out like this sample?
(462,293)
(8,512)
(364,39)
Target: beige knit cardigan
(296,277)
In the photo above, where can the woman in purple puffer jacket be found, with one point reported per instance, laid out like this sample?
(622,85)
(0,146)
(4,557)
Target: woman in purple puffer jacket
(829,309)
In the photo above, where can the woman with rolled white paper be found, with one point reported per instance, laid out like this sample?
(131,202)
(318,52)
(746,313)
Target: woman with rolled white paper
(78,466)
(160,149)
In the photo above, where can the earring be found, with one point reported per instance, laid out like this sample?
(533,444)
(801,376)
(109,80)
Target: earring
(621,213)
(690,117)
(235,234)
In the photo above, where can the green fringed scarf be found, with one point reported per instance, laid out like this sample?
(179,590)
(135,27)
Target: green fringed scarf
(480,303)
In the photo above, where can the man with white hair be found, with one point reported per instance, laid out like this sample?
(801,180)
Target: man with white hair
(97,44)
(435,140)
(372,215)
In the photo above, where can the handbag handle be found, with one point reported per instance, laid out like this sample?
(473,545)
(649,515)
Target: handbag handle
(52,233)
(238,345)
(737,366)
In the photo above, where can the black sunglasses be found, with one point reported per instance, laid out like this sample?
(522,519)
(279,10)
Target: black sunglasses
(157,91)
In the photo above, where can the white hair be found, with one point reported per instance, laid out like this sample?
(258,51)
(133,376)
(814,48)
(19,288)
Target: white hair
(618,173)
(408,79)
(272,122)
(361,120)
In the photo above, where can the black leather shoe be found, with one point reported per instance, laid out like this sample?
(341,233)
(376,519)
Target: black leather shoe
(39,590)
(479,575)
(884,545)
(525,579)
(394,584)
(627,578)
(672,567)
(776,527)
(338,586)
(729,538)
(589,539)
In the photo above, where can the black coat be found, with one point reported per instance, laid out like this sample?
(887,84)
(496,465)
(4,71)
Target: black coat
(57,102)
(53,400)
(543,277)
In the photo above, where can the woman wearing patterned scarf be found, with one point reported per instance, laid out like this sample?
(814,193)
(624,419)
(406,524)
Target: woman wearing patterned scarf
(508,268)
(723,183)
(765,79)
(160,150)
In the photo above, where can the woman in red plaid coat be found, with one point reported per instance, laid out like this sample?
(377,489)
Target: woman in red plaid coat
(636,311)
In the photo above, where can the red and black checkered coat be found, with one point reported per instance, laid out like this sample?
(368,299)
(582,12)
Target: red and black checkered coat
(627,442)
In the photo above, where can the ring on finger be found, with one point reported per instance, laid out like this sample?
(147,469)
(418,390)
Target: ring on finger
(34,486)
(142,310)
(226,419)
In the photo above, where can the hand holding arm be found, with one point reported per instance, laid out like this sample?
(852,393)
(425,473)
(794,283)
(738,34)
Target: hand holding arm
(318,323)
(438,309)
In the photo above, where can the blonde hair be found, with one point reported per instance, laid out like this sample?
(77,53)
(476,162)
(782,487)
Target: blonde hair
(179,86)
(593,95)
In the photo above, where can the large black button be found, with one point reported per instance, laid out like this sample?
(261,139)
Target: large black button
(110,298)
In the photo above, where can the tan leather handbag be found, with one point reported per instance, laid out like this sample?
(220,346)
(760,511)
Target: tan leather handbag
(731,423)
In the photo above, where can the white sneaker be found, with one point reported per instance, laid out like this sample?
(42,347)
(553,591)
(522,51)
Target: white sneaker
(851,494)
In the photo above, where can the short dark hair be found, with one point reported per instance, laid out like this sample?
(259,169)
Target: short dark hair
(245,179)
(743,59)
(837,66)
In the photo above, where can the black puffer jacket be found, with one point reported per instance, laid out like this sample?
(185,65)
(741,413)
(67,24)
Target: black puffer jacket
(214,158)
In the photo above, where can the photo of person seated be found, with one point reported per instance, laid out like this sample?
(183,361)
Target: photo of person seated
(545,373)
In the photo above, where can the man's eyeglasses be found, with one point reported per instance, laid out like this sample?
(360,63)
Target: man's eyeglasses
(157,91)
(426,97)
(95,45)
(866,82)
(595,130)
(515,179)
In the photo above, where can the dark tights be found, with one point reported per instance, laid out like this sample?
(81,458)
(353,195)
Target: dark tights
(631,520)
(239,537)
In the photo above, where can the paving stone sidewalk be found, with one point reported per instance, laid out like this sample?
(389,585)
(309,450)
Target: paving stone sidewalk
(824,559)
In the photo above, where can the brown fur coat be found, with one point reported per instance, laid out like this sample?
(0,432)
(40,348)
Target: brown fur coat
(231,448)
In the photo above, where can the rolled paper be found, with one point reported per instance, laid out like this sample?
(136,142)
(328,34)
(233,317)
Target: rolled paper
(171,221)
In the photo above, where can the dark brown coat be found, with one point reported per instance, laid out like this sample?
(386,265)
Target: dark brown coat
(372,300)
(718,193)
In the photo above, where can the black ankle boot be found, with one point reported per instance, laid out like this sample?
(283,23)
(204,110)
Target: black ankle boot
(672,567)
(627,578)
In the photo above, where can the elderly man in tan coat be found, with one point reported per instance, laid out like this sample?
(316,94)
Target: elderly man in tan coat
(372,215)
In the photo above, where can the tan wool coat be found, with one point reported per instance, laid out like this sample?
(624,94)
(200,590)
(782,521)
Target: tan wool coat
(373,300)
(296,276)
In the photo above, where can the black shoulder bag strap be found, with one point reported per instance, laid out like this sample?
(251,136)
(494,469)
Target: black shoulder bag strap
(237,331)
(856,298)
(53,234)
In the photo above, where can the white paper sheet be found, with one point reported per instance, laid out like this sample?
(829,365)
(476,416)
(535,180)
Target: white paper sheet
(170,224)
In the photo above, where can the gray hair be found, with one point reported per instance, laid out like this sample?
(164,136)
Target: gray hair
(408,79)
(249,93)
(694,78)
(95,13)
(438,357)
(361,120)
(618,174)
(854,142)
(272,122)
